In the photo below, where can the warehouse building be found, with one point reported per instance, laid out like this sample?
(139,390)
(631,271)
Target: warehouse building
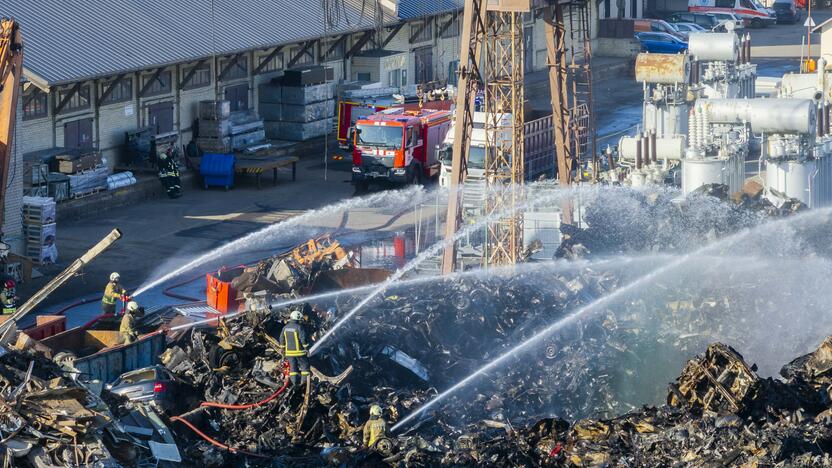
(93,72)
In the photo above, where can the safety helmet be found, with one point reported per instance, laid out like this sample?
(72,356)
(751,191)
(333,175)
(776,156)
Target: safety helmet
(296,315)
(9,284)
(375,410)
(115,276)
(132,306)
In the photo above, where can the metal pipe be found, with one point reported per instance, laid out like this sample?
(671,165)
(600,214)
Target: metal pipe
(748,53)
(653,146)
(65,275)
(764,115)
(645,149)
(638,156)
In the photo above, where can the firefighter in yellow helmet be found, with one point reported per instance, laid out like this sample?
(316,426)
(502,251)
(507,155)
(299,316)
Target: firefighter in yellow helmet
(112,292)
(294,342)
(375,428)
(127,331)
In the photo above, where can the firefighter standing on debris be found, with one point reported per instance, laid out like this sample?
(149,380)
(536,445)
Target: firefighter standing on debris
(112,292)
(9,298)
(127,330)
(375,428)
(295,344)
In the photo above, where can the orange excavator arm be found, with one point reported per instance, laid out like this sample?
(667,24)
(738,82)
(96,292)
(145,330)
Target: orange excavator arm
(11,68)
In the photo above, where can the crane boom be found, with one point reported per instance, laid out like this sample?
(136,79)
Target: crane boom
(11,68)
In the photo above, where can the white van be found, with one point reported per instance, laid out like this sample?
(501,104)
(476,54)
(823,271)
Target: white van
(752,11)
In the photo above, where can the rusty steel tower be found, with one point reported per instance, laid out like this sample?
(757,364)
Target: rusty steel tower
(492,32)
(492,36)
(504,106)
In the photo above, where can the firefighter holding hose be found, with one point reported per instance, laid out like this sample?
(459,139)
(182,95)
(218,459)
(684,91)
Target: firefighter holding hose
(295,345)
(113,292)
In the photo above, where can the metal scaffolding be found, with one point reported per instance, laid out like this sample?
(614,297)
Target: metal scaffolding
(503,137)
(569,54)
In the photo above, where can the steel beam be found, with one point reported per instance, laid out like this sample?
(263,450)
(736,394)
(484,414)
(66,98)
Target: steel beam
(472,37)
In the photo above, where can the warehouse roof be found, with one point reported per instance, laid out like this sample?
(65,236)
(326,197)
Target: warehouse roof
(71,40)
(411,9)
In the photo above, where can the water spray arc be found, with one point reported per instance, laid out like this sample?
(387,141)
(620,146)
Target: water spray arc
(432,251)
(409,194)
(602,301)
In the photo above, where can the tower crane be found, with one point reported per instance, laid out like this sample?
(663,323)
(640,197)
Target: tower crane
(11,69)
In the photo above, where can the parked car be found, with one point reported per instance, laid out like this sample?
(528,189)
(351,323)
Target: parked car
(660,42)
(704,20)
(686,28)
(725,17)
(654,25)
(151,384)
(786,12)
(751,11)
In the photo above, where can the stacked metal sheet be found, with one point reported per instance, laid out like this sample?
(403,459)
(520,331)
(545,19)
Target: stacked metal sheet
(297,113)
(88,182)
(223,131)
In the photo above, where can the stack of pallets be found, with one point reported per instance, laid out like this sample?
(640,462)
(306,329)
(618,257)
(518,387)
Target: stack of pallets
(40,229)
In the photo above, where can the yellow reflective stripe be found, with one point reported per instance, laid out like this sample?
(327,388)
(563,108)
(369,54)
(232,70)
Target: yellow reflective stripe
(297,344)
(295,353)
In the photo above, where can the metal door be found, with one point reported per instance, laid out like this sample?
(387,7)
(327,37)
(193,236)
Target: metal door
(237,96)
(78,134)
(423,64)
(160,117)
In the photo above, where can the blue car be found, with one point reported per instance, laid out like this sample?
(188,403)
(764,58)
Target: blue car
(660,42)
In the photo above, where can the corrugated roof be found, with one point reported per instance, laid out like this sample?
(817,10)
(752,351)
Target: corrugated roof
(71,40)
(412,9)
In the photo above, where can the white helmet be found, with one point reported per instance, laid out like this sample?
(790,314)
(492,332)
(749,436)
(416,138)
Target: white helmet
(115,276)
(375,410)
(132,306)
(296,315)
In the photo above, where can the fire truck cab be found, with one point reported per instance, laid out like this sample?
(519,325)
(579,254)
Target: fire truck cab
(398,145)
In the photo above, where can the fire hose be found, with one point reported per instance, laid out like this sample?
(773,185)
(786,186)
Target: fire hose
(271,397)
(214,442)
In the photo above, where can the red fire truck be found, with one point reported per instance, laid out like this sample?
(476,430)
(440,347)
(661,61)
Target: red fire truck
(398,145)
(354,109)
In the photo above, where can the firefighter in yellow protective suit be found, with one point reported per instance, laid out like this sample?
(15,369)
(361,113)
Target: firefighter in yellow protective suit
(375,428)
(127,330)
(112,292)
(295,344)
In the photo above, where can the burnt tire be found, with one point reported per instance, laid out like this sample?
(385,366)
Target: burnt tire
(219,357)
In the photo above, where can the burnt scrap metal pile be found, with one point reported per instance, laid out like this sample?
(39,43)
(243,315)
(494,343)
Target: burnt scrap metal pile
(718,412)
(46,419)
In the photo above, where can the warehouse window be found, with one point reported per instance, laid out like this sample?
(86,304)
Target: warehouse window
(238,70)
(334,49)
(78,101)
(160,85)
(421,31)
(123,91)
(452,30)
(305,58)
(34,104)
(276,63)
(201,76)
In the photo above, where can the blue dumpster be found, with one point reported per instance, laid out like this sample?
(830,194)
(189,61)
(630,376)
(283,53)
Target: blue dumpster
(217,170)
